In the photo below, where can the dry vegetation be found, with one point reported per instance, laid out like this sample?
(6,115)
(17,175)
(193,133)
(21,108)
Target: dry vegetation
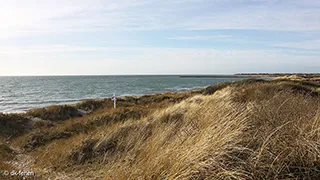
(300,77)
(251,129)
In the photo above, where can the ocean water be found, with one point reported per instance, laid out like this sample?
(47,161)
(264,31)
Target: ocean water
(19,94)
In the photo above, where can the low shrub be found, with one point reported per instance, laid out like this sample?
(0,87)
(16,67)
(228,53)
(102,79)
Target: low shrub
(55,113)
(91,105)
(12,125)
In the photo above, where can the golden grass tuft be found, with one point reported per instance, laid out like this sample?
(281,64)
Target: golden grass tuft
(6,154)
(178,142)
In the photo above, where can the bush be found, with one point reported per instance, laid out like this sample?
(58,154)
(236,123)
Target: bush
(6,153)
(55,113)
(91,105)
(35,140)
(216,87)
(13,125)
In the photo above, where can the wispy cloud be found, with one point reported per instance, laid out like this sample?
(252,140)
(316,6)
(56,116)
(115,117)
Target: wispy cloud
(23,17)
(308,45)
(58,48)
(68,22)
(200,37)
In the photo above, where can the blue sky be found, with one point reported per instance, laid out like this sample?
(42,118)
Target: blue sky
(158,37)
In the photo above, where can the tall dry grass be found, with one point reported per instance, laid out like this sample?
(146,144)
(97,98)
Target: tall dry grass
(245,130)
(191,139)
(273,134)
(283,137)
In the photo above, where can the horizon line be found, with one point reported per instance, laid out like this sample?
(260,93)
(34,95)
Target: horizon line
(182,74)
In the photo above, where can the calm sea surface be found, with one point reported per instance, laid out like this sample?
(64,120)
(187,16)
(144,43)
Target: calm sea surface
(18,94)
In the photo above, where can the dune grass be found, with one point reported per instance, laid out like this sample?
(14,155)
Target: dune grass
(251,129)
(6,153)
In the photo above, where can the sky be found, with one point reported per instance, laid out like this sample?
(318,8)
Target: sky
(124,37)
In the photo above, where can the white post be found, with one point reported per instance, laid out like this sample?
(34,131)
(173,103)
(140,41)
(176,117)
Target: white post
(114,98)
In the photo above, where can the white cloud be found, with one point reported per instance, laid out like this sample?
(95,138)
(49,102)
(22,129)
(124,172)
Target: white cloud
(27,17)
(42,18)
(23,17)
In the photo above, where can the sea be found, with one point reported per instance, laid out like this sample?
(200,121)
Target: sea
(21,93)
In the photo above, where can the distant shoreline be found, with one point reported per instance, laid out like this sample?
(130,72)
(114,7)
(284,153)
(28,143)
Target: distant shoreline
(223,76)
(211,76)
(255,75)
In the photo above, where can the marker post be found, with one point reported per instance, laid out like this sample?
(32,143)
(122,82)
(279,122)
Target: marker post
(114,99)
